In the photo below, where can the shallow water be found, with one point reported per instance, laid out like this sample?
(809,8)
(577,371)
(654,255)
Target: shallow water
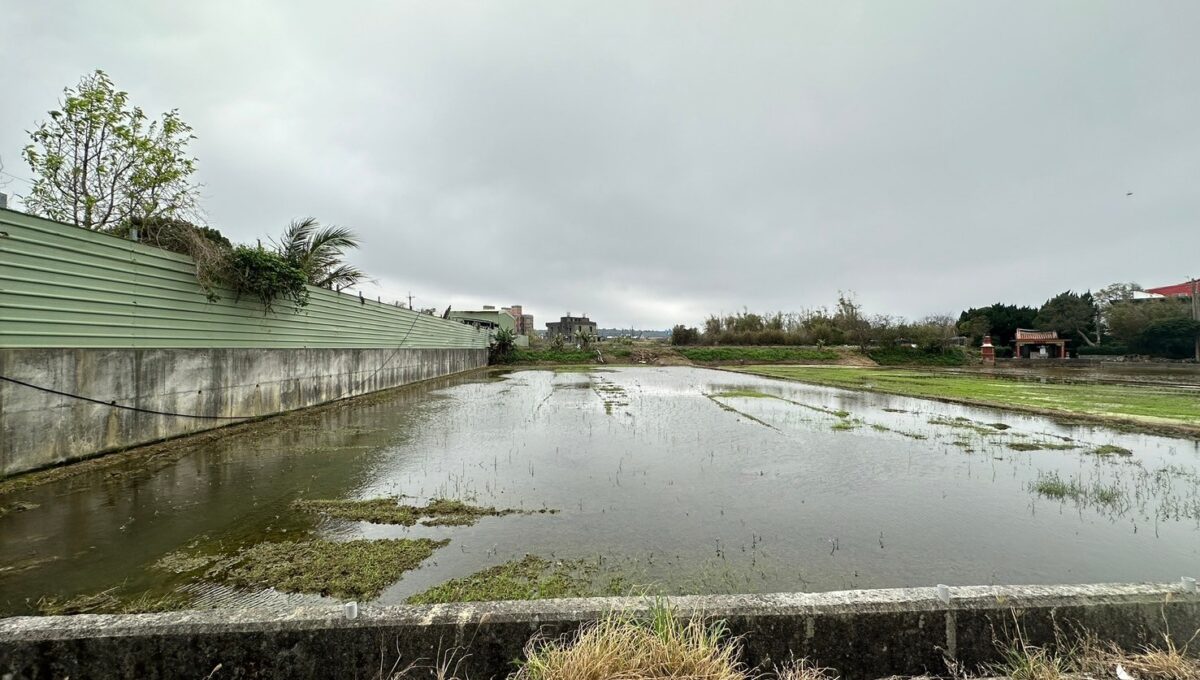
(666,484)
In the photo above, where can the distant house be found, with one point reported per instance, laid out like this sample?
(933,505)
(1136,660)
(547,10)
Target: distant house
(524,322)
(491,319)
(1177,290)
(568,326)
(1031,344)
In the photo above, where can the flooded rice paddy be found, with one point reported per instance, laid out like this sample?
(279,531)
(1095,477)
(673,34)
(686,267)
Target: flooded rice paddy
(672,480)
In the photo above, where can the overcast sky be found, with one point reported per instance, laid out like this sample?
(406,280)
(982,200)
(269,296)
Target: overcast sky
(650,162)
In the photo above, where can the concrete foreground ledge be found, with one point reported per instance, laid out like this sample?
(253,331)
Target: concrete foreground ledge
(862,634)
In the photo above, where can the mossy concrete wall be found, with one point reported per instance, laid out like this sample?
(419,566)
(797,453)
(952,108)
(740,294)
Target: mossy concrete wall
(205,388)
(861,634)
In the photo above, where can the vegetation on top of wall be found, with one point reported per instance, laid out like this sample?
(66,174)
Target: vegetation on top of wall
(99,162)
(319,253)
(266,276)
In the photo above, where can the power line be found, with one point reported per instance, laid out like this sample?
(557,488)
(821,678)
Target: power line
(114,404)
(17,177)
(198,416)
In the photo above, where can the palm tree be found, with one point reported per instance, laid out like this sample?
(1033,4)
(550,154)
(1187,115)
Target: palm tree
(318,251)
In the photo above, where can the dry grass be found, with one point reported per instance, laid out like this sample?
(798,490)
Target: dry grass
(804,670)
(1088,657)
(1023,661)
(658,645)
(621,646)
(1169,662)
(109,602)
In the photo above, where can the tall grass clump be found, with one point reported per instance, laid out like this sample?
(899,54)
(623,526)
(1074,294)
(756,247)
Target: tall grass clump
(659,644)
(619,645)
(1084,655)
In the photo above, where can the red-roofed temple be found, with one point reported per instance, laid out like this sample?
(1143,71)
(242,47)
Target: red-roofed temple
(1039,344)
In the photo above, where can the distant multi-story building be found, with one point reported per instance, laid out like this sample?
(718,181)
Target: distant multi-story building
(523,322)
(489,317)
(568,326)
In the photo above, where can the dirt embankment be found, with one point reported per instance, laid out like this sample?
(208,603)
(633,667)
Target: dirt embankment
(666,355)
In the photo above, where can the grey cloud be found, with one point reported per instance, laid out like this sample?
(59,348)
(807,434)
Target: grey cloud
(650,162)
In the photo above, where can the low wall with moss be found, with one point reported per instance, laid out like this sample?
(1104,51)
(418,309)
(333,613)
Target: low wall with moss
(861,634)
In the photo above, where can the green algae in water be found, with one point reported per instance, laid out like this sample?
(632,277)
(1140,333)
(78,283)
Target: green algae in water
(184,561)
(19,506)
(351,569)
(1112,450)
(439,512)
(1039,446)
(963,423)
(750,394)
(530,578)
(108,602)
(1024,446)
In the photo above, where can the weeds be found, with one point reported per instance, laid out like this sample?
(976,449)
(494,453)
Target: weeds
(439,512)
(1053,486)
(107,602)
(530,578)
(1088,657)
(1158,409)
(1041,446)
(358,569)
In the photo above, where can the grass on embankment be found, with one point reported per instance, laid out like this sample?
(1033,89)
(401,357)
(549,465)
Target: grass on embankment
(1159,409)
(549,355)
(911,356)
(751,353)
(658,353)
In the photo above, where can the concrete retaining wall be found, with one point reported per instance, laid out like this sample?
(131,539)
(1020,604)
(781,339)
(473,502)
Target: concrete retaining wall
(39,428)
(862,634)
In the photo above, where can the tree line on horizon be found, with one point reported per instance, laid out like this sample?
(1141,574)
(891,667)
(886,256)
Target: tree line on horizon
(1110,322)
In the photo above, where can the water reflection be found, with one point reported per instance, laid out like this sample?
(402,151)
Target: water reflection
(690,479)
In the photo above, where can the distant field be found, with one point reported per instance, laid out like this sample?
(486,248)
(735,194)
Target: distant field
(750,353)
(1152,405)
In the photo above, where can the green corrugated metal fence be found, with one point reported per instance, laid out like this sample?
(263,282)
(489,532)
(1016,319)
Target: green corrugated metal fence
(63,286)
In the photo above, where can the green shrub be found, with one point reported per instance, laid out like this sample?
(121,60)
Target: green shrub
(265,275)
(683,335)
(503,344)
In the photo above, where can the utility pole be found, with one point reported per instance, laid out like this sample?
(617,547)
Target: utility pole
(410,297)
